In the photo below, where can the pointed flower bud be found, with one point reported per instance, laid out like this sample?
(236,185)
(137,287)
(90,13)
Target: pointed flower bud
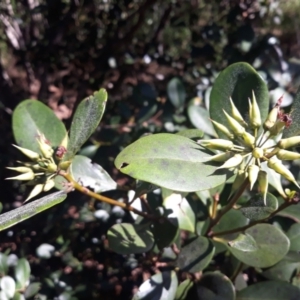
(287,155)
(48,185)
(51,167)
(263,183)
(277,127)
(255,118)
(20,169)
(31,154)
(224,129)
(236,113)
(65,165)
(217,144)
(26,176)
(253,174)
(258,152)
(272,118)
(36,190)
(289,142)
(248,138)
(278,167)
(232,162)
(220,157)
(45,148)
(236,127)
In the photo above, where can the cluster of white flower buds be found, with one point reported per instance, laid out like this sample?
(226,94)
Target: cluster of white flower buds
(245,150)
(43,167)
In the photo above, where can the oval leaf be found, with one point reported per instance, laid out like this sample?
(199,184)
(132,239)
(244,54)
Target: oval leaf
(22,273)
(294,235)
(26,211)
(176,92)
(31,116)
(32,289)
(85,121)
(237,81)
(199,117)
(91,174)
(294,128)
(159,286)
(244,242)
(255,209)
(130,238)
(183,289)
(170,161)
(215,286)
(275,290)
(272,246)
(196,255)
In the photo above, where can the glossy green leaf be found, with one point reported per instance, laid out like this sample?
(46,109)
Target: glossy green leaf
(196,255)
(294,235)
(283,270)
(159,286)
(292,212)
(215,286)
(244,242)
(8,286)
(183,289)
(272,246)
(22,273)
(199,117)
(32,289)
(128,238)
(180,211)
(274,290)
(91,174)
(31,116)
(85,121)
(26,211)
(176,92)
(191,133)
(294,128)
(237,81)
(231,220)
(164,233)
(170,161)
(255,209)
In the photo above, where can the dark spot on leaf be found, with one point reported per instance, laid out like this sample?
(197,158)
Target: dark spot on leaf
(123,165)
(164,164)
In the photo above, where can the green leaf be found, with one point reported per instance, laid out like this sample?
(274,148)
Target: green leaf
(176,92)
(170,161)
(183,289)
(3,263)
(180,212)
(215,286)
(8,285)
(292,212)
(196,255)
(127,238)
(199,117)
(164,233)
(26,211)
(231,220)
(283,271)
(237,81)
(244,242)
(272,246)
(191,133)
(159,286)
(31,116)
(255,209)
(85,121)
(18,296)
(22,273)
(91,174)
(294,235)
(32,289)
(294,128)
(274,290)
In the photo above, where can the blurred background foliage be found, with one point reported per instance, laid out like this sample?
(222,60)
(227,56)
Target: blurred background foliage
(158,60)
